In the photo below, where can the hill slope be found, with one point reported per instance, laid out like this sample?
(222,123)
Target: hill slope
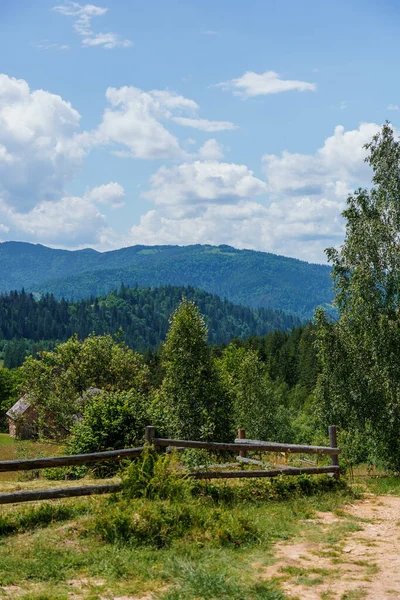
(243,276)
(142,313)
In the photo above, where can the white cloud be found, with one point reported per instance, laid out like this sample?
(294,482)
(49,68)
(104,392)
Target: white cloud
(189,187)
(46,45)
(71,221)
(393,107)
(110,193)
(4,228)
(261,84)
(341,158)
(136,123)
(211,150)
(307,194)
(82,25)
(107,40)
(39,144)
(205,124)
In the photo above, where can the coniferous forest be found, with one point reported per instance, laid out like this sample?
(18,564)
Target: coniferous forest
(28,325)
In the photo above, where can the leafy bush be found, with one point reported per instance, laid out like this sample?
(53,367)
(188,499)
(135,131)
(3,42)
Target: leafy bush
(110,420)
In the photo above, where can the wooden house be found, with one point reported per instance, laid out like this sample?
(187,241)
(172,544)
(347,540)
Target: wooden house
(23,420)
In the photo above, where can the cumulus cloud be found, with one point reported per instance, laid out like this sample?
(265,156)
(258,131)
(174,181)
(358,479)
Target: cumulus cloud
(262,84)
(211,150)
(298,214)
(110,193)
(71,221)
(205,124)
(136,123)
(82,25)
(340,159)
(39,144)
(190,187)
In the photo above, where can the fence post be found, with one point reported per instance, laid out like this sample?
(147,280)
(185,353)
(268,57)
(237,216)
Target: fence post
(242,436)
(149,434)
(333,444)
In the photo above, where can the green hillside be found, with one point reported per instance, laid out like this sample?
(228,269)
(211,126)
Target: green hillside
(142,313)
(255,279)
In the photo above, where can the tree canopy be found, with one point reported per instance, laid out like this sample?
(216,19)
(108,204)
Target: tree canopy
(359,386)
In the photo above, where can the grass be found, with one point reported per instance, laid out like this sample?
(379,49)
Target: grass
(5,440)
(174,539)
(213,543)
(11,449)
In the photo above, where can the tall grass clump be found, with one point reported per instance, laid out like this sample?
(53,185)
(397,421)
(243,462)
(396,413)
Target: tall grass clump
(158,507)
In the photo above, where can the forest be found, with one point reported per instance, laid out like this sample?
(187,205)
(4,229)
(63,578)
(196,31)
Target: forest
(28,326)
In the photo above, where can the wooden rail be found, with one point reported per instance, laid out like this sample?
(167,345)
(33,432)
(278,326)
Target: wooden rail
(53,494)
(241,444)
(266,473)
(29,464)
(248,445)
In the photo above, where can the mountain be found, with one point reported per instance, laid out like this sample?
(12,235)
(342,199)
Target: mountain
(142,313)
(255,279)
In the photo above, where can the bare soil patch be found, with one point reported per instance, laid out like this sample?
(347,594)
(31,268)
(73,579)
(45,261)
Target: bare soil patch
(330,563)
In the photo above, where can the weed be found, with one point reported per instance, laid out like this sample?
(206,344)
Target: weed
(40,516)
(154,476)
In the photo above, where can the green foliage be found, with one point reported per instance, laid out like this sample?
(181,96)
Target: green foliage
(160,523)
(156,477)
(243,276)
(42,515)
(28,326)
(359,387)
(192,402)
(58,383)
(110,420)
(259,404)
(10,382)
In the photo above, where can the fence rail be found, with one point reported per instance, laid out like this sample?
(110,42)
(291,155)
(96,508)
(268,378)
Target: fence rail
(30,464)
(241,445)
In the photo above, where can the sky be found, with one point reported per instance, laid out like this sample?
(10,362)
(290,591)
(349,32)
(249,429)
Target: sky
(191,121)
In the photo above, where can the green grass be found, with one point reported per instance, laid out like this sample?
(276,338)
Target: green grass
(175,539)
(213,544)
(5,439)
(11,449)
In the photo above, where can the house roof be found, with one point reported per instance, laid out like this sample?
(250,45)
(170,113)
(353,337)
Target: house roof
(19,408)
(92,391)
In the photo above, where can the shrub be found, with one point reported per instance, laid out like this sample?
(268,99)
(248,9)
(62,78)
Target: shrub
(154,476)
(160,523)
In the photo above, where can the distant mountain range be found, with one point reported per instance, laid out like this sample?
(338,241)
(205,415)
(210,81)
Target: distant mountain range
(247,277)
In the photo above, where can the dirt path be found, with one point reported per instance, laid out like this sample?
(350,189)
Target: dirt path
(349,556)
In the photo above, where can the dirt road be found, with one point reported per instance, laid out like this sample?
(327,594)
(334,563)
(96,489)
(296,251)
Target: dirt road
(351,555)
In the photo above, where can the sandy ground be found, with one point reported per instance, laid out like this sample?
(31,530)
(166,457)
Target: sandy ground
(364,564)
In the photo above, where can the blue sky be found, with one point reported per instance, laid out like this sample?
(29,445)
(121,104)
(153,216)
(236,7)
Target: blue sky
(190,121)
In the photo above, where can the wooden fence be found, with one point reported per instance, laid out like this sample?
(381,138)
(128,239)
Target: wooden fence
(241,446)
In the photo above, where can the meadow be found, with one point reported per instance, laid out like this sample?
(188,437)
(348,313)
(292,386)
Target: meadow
(171,540)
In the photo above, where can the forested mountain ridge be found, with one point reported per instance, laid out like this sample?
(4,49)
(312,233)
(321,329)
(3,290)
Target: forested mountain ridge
(245,277)
(142,313)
